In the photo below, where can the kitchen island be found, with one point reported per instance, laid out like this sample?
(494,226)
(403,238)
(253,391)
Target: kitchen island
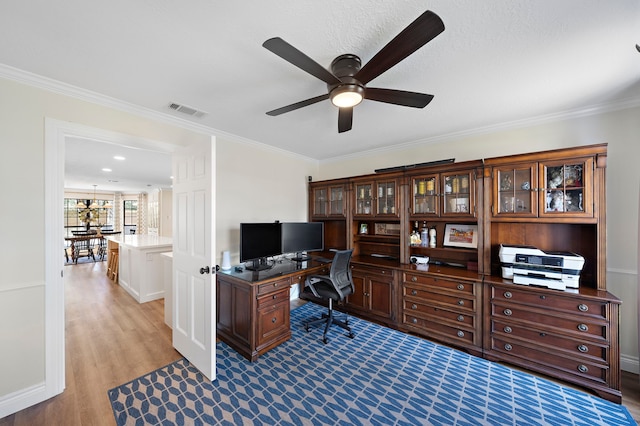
(140,270)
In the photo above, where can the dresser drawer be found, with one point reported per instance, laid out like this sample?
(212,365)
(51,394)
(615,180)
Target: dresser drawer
(274,298)
(367,270)
(586,328)
(412,308)
(272,286)
(450,333)
(419,294)
(572,347)
(458,286)
(580,306)
(573,365)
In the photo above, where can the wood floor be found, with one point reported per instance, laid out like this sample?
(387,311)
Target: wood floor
(112,339)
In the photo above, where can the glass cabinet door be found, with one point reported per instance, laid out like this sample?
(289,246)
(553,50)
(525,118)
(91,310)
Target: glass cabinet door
(515,191)
(386,200)
(336,200)
(456,191)
(567,188)
(320,201)
(364,198)
(425,195)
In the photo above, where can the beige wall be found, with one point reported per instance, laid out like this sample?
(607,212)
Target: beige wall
(257,184)
(23,110)
(620,129)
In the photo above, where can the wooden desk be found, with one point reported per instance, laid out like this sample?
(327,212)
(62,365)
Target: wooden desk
(253,307)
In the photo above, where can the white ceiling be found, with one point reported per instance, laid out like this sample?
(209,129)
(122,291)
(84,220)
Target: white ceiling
(497,62)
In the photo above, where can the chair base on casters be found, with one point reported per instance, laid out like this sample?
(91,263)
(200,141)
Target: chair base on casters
(329,319)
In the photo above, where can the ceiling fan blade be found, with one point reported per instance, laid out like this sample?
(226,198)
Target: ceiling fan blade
(297,105)
(299,59)
(345,119)
(398,97)
(426,27)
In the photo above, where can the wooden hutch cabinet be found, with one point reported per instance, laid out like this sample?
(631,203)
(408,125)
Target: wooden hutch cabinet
(554,201)
(327,199)
(551,200)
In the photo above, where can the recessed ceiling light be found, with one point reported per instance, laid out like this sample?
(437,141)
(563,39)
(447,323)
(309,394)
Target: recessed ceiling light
(119,157)
(106,170)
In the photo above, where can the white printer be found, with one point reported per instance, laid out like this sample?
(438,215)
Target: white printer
(529,265)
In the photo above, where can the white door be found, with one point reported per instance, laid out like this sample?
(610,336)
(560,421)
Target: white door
(194,314)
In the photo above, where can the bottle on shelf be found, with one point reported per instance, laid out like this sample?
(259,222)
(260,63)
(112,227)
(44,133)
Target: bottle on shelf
(424,235)
(414,239)
(432,237)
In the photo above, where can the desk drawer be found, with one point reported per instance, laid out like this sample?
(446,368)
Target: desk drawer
(273,323)
(274,298)
(438,314)
(441,330)
(272,286)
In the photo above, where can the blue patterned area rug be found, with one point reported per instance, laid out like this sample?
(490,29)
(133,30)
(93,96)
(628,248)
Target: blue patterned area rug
(382,377)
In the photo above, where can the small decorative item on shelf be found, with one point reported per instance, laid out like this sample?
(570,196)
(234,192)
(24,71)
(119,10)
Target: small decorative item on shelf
(432,237)
(424,235)
(364,228)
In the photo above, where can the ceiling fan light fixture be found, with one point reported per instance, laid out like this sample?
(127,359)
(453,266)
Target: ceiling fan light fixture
(347,95)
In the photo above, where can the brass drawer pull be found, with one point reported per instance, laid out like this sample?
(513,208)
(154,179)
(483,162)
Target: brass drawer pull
(543,297)
(508,347)
(273,320)
(460,317)
(414,320)
(275,284)
(274,296)
(507,312)
(460,333)
(583,327)
(583,368)
(507,329)
(414,306)
(461,302)
(583,348)
(460,287)
(583,308)
(543,334)
(414,279)
(414,292)
(508,295)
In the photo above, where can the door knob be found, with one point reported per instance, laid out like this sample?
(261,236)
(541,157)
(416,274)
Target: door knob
(204,270)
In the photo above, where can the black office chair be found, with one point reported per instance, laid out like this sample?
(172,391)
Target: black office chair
(334,288)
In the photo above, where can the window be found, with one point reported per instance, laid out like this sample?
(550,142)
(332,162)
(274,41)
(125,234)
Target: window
(130,219)
(74,217)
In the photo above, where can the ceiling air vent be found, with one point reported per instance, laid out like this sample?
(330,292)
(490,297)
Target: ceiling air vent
(186,110)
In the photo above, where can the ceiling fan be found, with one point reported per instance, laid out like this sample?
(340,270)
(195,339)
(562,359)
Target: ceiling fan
(347,80)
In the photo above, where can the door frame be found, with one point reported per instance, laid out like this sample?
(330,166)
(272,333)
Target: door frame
(55,134)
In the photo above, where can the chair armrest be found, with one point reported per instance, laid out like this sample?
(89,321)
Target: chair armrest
(312,279)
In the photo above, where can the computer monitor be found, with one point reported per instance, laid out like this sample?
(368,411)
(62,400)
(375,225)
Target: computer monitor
(258,241)
(299,237)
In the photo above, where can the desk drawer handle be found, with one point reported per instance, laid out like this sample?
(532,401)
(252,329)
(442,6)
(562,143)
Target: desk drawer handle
(583,327)
(508,295)
(460,287)
(274,297)
(583,368)
(273,320)
(414,292)
(507,329)
(507,312)
(460,333)
(414,320)
(461,302)
(460,317)
(414,306)
(414,279)
(508,347)
(543,297)
(583,348)
(583,308)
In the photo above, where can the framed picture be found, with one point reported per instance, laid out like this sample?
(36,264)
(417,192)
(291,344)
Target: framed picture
(461,235)
(364,228)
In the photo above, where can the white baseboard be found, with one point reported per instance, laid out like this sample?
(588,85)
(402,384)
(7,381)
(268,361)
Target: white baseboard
(16,401)
(630,364)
